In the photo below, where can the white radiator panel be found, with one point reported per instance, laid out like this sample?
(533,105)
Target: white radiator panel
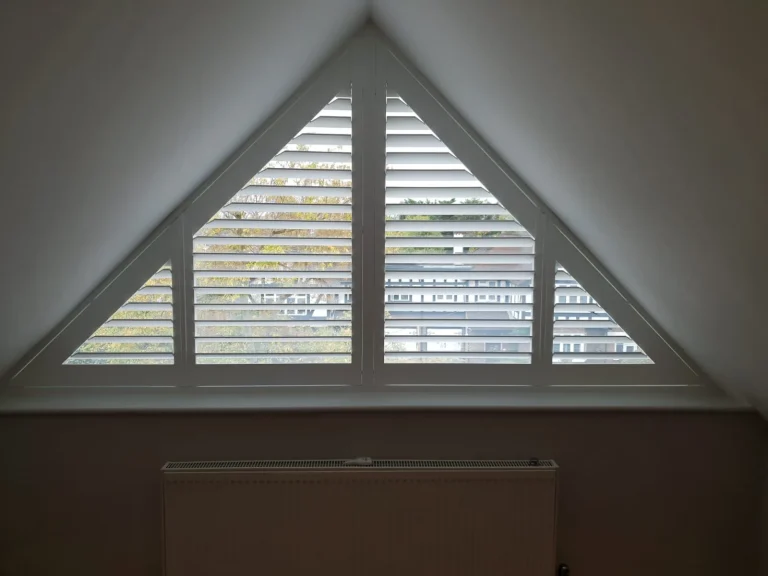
(360,521)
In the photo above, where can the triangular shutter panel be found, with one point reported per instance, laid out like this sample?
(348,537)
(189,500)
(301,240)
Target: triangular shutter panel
(584,333)
(140,332)
(273,268)
(458,265)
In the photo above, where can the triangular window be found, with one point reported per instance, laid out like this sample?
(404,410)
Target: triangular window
(363,237)
(139,332)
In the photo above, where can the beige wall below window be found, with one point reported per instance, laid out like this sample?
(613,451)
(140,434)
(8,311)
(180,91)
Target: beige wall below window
(641,493)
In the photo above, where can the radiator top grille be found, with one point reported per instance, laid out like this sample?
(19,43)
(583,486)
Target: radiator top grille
(359,463)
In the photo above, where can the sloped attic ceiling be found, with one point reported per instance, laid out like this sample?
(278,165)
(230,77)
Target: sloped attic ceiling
(644,128)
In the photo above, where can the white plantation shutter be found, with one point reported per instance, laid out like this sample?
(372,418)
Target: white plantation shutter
(584,333)
(273,268)
(140,332)
(403,265)
(458,265)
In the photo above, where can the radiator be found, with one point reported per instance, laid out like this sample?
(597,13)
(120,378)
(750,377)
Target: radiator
(361,517)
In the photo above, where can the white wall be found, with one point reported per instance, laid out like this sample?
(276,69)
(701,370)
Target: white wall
(641,493)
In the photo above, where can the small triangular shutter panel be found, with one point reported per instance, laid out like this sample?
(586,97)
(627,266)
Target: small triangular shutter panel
(458,266)
(140,332)
(584,333)
(273,268)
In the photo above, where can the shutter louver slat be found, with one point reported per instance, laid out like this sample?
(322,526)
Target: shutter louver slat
(287,276)
(461,307)
(459,322)
(264,190)
(457,290)
(309,156)
(433,193)
(267,241)
(458,259)
(441,159)
(271,290)
(121,358)
(584,333)
(460,357)
(281,323)
(283,208)
(328,140)
(140,332)
(282,307)
(273,268)
(340,124)
(271,358)
(274,258)
(446,210)
(459,276)
(238,224)
(307,173)
(415,141)
(459,242)
(453,226)
(139,323)
(458,265)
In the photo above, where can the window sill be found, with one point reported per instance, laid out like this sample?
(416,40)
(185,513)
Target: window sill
(292,398)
